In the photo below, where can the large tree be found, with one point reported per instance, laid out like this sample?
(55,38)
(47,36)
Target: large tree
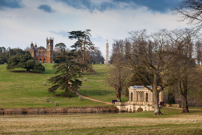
(184,73)
(69,71)
(25,61)
(82,45)
(61,47)
(117,79)
(156,53)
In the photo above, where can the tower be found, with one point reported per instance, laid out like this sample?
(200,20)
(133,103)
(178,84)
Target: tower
(31,50)
(49,52)
(107,53)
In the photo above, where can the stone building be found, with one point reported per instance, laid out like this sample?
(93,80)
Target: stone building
(140,99)
(41,54)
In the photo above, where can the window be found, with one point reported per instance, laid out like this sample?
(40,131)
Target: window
(146,97)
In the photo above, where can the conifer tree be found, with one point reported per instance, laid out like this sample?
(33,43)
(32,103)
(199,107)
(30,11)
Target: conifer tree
(70,71)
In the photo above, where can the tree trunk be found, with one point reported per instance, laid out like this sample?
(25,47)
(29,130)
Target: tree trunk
(27,70)
(118,95)
(155,96)
(184,104)
(66,90)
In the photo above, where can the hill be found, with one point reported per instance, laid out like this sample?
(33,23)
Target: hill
(26,90)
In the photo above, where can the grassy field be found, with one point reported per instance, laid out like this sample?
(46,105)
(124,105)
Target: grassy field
(172,123)
(97,87)
(26,90)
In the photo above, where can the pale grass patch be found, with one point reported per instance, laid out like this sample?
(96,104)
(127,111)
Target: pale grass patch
(29,123)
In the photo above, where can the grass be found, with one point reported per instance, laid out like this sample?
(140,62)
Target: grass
(87,124)
(96,85)
(26,90)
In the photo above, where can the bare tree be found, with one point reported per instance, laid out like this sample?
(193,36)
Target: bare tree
(184,72)
(117,79)
(118,73)
(198,46)
(191,10)
(157,53)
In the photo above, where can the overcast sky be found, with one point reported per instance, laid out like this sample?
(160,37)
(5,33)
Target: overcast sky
(26,21)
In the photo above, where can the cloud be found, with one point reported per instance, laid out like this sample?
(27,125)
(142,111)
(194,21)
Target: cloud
(91,5)
(61,33)
(10,4)
(46,8)
(156,5)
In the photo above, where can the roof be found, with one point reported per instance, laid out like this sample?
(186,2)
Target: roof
(140,87)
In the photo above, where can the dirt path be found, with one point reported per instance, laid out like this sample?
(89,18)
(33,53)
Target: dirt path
(108,103)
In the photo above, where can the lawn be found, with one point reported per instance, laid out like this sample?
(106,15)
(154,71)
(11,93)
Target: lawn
(140,123)
(26,90)
(97,86)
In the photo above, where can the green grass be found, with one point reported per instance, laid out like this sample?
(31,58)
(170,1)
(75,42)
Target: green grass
(97,86)
(25,90)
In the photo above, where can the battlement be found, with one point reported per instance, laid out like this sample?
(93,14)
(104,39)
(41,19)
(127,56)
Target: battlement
(41,54)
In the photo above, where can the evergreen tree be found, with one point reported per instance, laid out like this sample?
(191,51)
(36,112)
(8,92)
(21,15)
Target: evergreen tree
(82,46)
(70,71)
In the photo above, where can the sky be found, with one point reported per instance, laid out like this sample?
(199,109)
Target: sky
(25,21)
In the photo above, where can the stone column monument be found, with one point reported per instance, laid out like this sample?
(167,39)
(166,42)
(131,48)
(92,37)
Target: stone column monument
(107,53)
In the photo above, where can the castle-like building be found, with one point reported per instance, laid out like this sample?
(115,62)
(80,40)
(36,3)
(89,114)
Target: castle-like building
(41,54)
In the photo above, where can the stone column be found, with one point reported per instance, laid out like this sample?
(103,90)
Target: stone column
(129,96)
(134,96)
(107,53)
(144,96)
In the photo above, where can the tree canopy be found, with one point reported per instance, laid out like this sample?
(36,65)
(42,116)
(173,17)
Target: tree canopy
(69,71)
(25,61)
(82,45)
(61,47)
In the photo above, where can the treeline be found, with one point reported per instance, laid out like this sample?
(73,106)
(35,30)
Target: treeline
(170,59)
(95,56)
(5,53)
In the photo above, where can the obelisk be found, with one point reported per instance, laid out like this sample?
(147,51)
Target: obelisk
(107,53)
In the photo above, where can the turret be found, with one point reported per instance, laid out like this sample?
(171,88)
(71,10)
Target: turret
(32,45)
(49,44)
(49,52)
